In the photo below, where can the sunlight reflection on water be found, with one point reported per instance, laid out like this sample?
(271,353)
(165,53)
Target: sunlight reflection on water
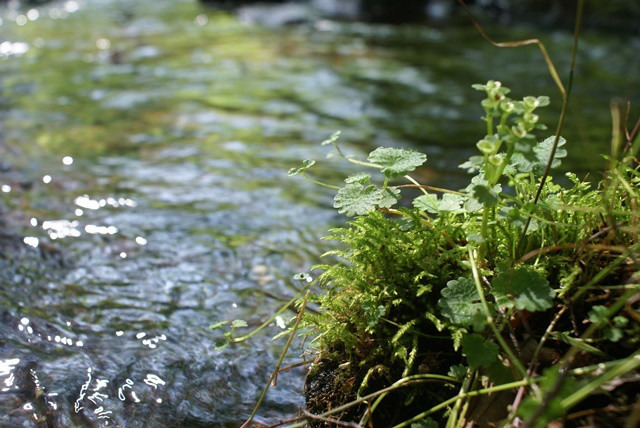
(159,134)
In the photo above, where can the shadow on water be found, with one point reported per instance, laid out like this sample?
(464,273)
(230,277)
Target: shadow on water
(145,148)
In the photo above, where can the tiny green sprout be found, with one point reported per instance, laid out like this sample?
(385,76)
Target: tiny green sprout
(331,140)
(218,325)
(493,85)
(302,277)
(611,330)
(238,324)
(306,164)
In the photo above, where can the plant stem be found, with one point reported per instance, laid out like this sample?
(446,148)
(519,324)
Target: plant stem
(417,332)
(320,183)
(452,422)
(404,380)
(512,357)
(563,114)
(419,378)
(483,231)
(408,177)
(489,123)
(629,364)
(267,322)
(498,388)
(274,374)
(363,163)
(424,186)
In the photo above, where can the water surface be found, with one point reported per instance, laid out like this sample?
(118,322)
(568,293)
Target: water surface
(146,143)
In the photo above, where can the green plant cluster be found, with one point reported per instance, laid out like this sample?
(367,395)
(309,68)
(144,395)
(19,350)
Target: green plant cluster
(491,285)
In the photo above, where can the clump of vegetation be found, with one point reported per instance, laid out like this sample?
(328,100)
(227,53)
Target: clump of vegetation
(513,301)
(521,310)
(482,286)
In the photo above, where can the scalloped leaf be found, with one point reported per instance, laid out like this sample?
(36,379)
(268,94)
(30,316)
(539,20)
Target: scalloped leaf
(355,199)
(396,162)
(479,352)
(428,202)
(543,152)
(460,303)
(522,288)
(450,202)
(390,197)
(486,196)
(362,178)
(536,160)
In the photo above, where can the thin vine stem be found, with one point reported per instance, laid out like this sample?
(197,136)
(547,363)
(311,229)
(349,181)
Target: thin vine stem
(401,383)
(563,114)
(505,347)
(498,388)
(419,378)
(270,320)
(580,371)
(274,374)
(452,422)
(320,183)
(629,364)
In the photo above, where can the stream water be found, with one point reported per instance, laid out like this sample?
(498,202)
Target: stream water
(144,148)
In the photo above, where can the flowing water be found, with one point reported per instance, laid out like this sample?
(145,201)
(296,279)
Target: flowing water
(144,154)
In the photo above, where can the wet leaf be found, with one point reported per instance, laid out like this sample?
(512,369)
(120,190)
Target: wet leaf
(362,178)
(390,197)
(522,288)
(428,202)
(355,199)
(484,195)
(239,323)
(479,352)
(458,372)
(396,162)
(460,303)
(218,325)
